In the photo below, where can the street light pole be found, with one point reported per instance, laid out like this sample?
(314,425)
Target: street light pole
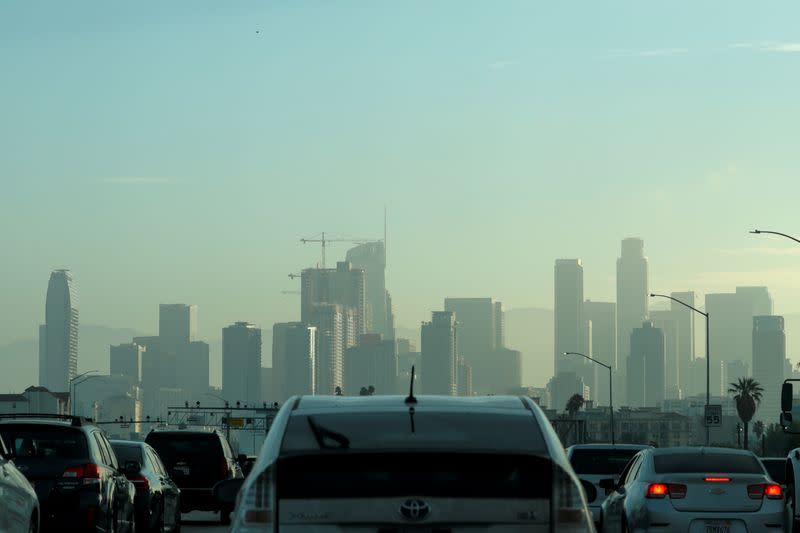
(73,386)
(610,389)
(760,231)
(708,352)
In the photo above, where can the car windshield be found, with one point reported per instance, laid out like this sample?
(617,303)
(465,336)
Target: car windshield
(400,430)
(600,462)
(128,453)
(690,463)
(198,447)
(36,442)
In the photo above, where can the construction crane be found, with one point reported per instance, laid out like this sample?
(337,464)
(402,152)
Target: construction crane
(323,241)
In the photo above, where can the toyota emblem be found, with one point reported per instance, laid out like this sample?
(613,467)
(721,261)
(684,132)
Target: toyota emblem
(414,509)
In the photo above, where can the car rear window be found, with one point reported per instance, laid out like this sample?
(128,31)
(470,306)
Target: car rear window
(38,442)
(600,462)
(690,463)
(199,447)
(423,474)
(128,452)
(776,469)
(400,430)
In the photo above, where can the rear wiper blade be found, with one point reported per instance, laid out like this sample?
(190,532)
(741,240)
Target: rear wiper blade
(321,433)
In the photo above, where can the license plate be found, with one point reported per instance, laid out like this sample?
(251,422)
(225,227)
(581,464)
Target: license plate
(718,527)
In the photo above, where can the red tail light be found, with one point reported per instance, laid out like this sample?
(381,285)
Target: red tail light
(662,490)
(717,479)
(657,490)
(87,473)
(773,492)
(140,483)
(770,490)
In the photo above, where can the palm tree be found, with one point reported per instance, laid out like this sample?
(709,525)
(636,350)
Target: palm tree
(574,405)
(747,395)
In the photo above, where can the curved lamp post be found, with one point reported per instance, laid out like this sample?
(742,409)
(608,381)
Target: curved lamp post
(610,389)
(708,357)
(73,386)
(760,231)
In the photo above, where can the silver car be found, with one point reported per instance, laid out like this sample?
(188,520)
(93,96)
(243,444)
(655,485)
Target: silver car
(595,462)
(389,464)
(19,506)
(695,490)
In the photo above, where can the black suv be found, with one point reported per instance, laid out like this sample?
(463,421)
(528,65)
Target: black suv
(196,461)
(74,471)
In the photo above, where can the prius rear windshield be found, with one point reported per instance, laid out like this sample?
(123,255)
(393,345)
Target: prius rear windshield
(422,431)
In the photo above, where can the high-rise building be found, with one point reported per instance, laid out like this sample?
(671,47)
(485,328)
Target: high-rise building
(507,374)
(439,362)
(646,367)
(373,362)
(666,321)
(731,323)
(177,325)
(476,337)
(159,365)
(241,363)
(58,349)
(686,351)
(193,368)
(343,285)
(464,378)
(568,316)
(769,355)
(334,336)
(499,326)
(126,360)
(371,258)
(294,354)
(632,295)
(603,319)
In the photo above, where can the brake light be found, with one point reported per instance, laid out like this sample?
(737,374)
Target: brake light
(662,490)
(657,490)
(140,483)
(773,492)
(88,474)
(717,479)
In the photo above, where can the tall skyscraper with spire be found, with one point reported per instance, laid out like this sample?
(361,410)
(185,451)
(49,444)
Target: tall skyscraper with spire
(632,295)
(58,337)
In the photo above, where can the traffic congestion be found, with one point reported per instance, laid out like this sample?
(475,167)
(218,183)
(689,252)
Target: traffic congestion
(386,464)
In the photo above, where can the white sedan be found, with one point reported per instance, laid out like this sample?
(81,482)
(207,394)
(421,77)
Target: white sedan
(695,490)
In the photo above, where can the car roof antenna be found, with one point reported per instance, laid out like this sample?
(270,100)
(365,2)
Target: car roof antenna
(411,398)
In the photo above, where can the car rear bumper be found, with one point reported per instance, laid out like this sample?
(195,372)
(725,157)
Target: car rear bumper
(198,500)
(695,521)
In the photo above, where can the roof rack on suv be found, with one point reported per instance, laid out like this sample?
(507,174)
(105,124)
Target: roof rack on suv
(77,421)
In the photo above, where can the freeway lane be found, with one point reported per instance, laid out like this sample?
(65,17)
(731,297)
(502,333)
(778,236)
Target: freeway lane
(200,522)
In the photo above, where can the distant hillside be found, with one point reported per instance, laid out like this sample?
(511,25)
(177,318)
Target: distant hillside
(20,359)
(530,330)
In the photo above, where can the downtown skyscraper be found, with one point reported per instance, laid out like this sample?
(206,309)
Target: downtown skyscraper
(58,337)
(438,354)
(241,363)
(568,320)
(371,258)
(632,295)
(769,362)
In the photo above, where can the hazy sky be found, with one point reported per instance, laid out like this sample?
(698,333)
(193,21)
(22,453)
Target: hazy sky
(178,151)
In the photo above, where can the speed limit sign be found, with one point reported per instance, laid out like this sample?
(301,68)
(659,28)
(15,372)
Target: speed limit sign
(713,415)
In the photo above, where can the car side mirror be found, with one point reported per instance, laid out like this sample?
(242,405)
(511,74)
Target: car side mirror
(225,492)
(787,393)
(132,468)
